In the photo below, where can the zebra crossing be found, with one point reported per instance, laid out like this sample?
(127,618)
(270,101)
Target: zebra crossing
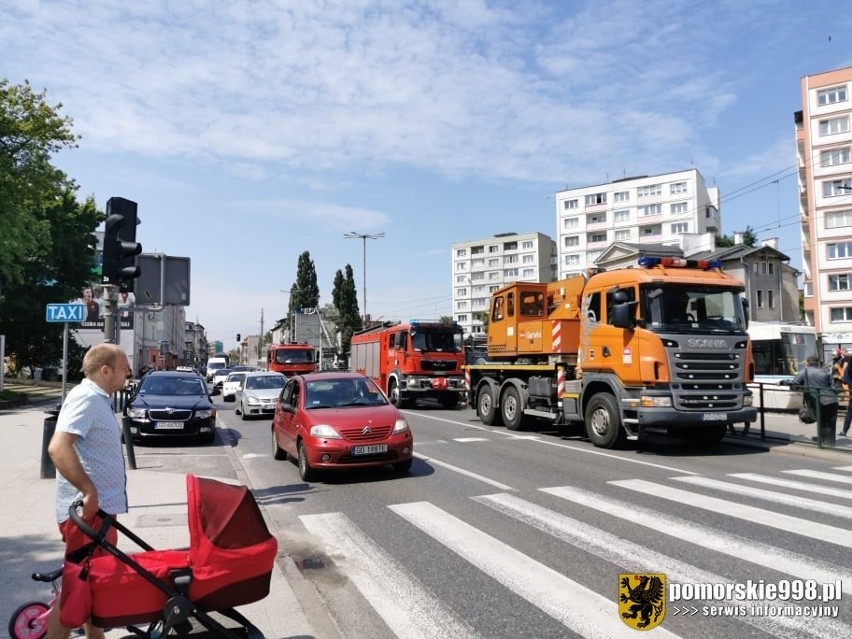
(411,609)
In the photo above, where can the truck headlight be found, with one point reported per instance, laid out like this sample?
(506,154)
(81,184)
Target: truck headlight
(748,400)
(656,401)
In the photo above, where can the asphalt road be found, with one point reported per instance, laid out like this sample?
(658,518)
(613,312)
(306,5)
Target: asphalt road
(505,534)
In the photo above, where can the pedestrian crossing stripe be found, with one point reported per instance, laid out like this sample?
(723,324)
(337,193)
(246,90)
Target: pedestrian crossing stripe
(827,491)
(816,474)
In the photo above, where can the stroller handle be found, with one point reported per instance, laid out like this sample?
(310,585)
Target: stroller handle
(81,523)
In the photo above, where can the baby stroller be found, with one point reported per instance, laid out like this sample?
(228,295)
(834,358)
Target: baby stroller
(228,563)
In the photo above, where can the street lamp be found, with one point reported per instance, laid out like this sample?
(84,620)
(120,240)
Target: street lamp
(352,235)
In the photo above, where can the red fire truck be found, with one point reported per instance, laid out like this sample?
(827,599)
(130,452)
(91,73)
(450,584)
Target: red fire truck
(422,358)
(291,359)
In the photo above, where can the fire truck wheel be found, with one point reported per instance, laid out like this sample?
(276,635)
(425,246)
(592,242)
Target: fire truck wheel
(511,409)
(395,395)
(486,406)
(603,421)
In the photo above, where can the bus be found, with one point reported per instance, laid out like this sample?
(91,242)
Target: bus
(779,350)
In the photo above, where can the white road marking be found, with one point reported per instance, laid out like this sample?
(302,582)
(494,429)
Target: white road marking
(409,609)
(462,471)
(582,610)
(843,493)
(816,474)
(727,508)
(729,544)
(467,440)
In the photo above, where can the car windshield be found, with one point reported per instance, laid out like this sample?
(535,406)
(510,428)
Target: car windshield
(266,382)
(337,393)
(436,341)
(692,308)
(172,386)
(235,377)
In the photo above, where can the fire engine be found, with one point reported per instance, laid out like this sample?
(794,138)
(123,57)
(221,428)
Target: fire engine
(658,348)
(291,359)
(418,359)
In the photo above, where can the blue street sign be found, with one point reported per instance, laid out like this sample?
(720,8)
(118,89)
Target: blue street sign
(65,312)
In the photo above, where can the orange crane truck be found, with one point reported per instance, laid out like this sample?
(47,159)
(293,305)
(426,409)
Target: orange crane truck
(414,360)
(658,348)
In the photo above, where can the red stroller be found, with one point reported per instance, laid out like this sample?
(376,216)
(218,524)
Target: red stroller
(228,563)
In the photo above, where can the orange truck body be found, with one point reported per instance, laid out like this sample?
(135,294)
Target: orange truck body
(411,361)
(291,359)
(659,347)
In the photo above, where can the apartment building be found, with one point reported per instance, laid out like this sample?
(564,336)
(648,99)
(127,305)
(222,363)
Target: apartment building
(480,267)
(823,141)
(657,209)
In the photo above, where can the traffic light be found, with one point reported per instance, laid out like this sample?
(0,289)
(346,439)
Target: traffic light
(120,245)
(238,338)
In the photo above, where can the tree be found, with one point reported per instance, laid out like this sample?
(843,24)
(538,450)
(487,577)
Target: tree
(749,239)
(30,132)
(305,291)
(56,274)
(345,298)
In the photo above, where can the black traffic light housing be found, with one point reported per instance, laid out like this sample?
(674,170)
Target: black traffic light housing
(120,245)
(238,338)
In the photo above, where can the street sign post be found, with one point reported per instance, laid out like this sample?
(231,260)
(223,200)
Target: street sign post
(65,313)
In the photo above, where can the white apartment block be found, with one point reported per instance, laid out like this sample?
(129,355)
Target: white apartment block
(480,267)
(655,209)
(824,148)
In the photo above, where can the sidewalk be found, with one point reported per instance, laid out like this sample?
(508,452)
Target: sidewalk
(157,515)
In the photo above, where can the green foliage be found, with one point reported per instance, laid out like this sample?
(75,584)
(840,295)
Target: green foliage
(345,298)
(446,319)
(749,239)
(305,291)
(30,132)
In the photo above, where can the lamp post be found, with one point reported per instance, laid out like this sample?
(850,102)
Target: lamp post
(352,235)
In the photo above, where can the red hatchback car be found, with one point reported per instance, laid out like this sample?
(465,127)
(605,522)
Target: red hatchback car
(331,421)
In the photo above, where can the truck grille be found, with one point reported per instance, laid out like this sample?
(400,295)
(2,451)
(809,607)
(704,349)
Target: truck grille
(438,365)
(708,380)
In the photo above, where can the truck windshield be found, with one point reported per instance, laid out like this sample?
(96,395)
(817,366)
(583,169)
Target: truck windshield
(436,341)
(692,308)
(293,356)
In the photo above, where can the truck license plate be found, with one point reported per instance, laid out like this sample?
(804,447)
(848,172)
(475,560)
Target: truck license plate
(373,449)
(714,417)
(168,425)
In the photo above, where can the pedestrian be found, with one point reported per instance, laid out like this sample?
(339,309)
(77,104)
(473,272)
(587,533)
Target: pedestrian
(847,384)
(817,382)
(86,451)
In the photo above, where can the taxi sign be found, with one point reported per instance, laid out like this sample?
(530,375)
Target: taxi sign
(65,312)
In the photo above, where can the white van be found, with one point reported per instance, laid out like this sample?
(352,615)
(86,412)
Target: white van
(214,364)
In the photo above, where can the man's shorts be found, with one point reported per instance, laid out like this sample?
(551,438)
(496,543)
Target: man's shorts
(75,538)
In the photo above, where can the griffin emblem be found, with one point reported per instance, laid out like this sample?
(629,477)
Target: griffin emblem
(642,600)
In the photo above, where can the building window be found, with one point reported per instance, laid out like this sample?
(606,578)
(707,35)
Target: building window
(839,282)
(839,250)
(597,237)
(763,268)
(842,314)
(494,249)
(770,298)
(651,209)
(833,126)
(461,252)
(650,189)
(838,219)
(600,218)
(527,245)
(832,95)
(528,259)
(677,187)
(833,157)
(510,246)
(510,259)
(621,216)
(759,298)
(572,260)
(771,268)
(621,196)
(477,276)
(595,198)
(572,240)
(477,262)
(569,204)
(461,266)
(622,235)
(680,228)
(510,272)
(528,272)
(462,292)
(477,250)
(493,277)
(837,187)
(493,261)
(570,222)
(461,306)
(652,230)
(679,207)
(756,268)
(591,256)
(461,279)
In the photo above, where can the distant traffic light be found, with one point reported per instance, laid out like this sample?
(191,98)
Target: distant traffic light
(120,245)
(238,337)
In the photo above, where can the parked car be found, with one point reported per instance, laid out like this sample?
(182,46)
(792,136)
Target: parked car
(258,394)
(231,384)
(171,403)
(218,379)
(332,421)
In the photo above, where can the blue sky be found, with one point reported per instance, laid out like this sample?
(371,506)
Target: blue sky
(249,132)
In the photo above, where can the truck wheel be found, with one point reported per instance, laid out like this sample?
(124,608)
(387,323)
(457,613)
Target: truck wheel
(603,422)
(486,406)
(511,409)
(395,395)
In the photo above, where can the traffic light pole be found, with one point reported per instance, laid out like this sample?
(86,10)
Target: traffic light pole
(111,323)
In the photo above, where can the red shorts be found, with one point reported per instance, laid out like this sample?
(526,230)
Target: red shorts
(75,538)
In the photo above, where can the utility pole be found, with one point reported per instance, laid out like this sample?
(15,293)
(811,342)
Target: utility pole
(352,235)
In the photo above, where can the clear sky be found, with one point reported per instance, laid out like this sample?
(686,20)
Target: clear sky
(249,132)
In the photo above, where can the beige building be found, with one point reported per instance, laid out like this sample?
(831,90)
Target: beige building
(480,267)
(659,209)
(824,139)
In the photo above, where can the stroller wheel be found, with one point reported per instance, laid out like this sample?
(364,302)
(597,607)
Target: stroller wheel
(29,621)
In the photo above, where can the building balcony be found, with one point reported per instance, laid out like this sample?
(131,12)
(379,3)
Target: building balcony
(597,246)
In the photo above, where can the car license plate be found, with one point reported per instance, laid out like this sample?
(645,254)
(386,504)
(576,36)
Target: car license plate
(373,449)
(714,417)
(168,425)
